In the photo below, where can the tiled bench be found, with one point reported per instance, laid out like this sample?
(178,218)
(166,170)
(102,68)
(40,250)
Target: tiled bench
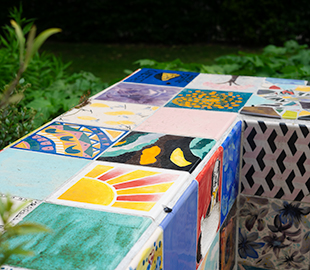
(146,176)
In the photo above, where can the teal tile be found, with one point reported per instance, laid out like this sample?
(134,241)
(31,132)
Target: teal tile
(81,238)
(35,175)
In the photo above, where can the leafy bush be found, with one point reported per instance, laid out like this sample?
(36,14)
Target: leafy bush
(47,88)
(290,61)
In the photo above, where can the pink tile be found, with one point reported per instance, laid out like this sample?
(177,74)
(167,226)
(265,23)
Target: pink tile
(204,124)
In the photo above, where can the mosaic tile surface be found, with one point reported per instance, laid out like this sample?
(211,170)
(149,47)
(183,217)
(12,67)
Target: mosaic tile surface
(212,258)
(150,257)
(276,160)
(35,175)
(280,99)
(112,170)
(162,77)
(139,93)
(119,188)
(203,124)
(210,100)
(209,195)
(159,150)
(180,233)
(70,140)
(228,239)
(109,114)
(226,82)
(273,233)
(231,171)
(77,238)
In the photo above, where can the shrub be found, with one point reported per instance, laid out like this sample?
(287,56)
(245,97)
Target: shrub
(290,61)
(47,88)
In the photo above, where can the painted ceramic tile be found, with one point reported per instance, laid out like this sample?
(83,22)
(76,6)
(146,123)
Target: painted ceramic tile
(180,233)
(162,77)
(228,238)
(121,188)
(226,82)
(139,93)
(35,175)
(77,238)
(260,111)
(287,101)
(210,100)
(109,114)
(159,150)
(273,233)
(212,258)
(209,194)
(276,160)
(150,257)
(70,140)
(186,122)
(231,164)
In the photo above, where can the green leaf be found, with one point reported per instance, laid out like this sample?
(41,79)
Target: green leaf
(42,37)
(128,71)
(214,69)
(145,62)
(20,38)
(26,228)
(273,50)
(30,40)
(306,70)
(16,98)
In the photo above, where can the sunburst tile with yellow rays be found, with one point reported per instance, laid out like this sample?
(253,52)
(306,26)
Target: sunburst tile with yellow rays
(121,188)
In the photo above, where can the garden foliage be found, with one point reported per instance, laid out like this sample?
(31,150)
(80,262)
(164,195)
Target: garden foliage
(289,61)
(46,87)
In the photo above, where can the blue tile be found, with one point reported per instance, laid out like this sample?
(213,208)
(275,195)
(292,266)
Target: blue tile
(180,231)
(162,77)
(231,162)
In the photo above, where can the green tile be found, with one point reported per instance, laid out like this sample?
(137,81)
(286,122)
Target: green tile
(81,238)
